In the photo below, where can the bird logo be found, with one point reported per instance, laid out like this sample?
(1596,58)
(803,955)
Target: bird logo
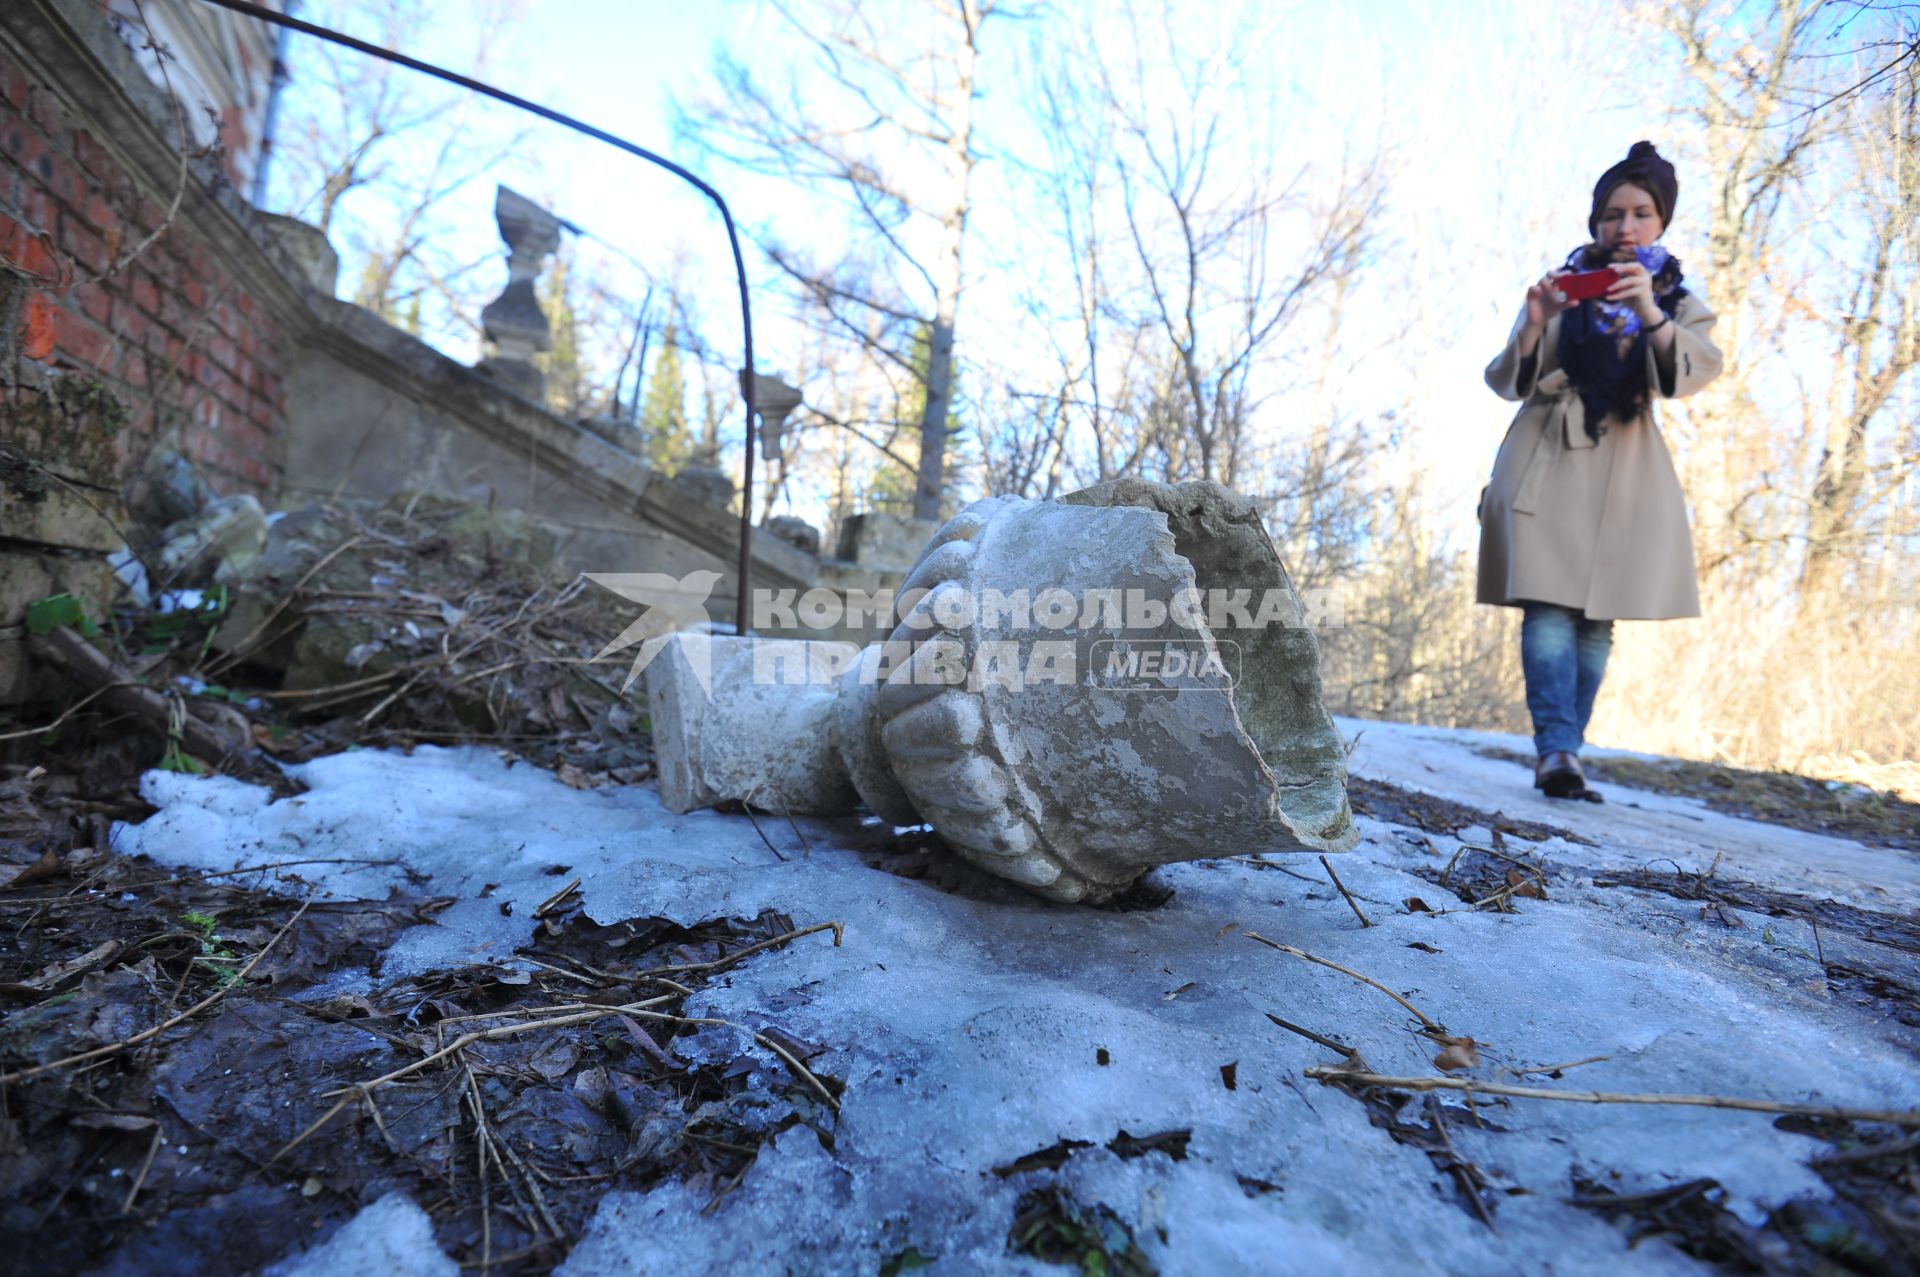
(674,605)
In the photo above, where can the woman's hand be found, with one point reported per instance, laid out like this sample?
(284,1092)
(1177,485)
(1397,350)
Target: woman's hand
(1635,289)
(1545,300)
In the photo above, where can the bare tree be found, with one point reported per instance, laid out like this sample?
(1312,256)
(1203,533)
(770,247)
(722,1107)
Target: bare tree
(883,119)
(371,156)
(1878,336)
(1192,261)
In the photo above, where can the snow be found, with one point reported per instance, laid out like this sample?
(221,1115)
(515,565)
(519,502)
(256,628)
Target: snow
(392,1237)
(967,1026)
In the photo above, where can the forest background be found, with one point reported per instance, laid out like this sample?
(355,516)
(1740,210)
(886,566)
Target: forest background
(1020,247)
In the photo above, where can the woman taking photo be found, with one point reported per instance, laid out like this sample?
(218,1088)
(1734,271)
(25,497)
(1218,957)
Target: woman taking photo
(1584,522)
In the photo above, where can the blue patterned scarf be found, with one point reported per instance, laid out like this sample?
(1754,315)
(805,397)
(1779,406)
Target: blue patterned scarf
(1601,346)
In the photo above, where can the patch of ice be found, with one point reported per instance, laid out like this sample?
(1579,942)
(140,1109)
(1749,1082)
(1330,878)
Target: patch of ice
(967,1030)
(392,1237)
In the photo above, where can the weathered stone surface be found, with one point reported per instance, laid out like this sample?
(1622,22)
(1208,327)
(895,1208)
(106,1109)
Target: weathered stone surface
(755,738)
(309,248)
(1076,788)
(26,577)
(998,727)
(705,484)
(47,512)
(795,532)
(884,540)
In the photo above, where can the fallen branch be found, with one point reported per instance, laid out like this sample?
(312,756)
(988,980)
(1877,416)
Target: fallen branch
(91,668)
(1892,1117)
(113,1048)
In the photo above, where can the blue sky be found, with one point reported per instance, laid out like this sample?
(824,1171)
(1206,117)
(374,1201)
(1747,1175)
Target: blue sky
(1494,117)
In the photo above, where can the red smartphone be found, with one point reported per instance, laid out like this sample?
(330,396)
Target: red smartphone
(1587,284)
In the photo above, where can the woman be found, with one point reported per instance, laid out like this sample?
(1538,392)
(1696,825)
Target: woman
(1584,522)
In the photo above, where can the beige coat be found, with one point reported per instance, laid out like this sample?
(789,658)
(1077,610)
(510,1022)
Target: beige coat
(1597,526)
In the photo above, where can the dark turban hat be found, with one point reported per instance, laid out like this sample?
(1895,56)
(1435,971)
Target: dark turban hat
(1643,167)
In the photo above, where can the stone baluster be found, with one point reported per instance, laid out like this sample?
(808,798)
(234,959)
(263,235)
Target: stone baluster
(514,323)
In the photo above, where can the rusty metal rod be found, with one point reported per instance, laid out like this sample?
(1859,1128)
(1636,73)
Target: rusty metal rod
(631,148)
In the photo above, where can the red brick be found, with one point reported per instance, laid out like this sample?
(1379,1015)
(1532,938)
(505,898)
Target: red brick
(68,184)
(25,147)
(31,252)
(100,214)
(133,327)
(80,342)
(222,351)
(45,110)
(96,303)
(13,85)
(41,209)
(195,294)
(37,333)
(147,215)
(144,294)
(83,245)
(92,157)
(133,369)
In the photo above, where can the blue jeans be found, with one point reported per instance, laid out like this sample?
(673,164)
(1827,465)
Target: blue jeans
(1564,656)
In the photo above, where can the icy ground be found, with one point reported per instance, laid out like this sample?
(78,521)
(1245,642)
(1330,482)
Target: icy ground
(970,1028)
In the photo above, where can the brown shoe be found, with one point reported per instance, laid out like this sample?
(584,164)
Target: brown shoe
(1559,774)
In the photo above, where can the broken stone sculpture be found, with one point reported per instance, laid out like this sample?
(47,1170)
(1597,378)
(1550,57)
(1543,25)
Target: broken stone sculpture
(1004,733)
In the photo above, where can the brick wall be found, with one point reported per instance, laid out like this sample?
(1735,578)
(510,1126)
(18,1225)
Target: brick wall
(197,361)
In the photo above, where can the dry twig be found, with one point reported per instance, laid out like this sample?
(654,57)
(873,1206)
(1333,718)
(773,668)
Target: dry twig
(1369,980)
(1892,1117)
(113,1048)
(1364,920)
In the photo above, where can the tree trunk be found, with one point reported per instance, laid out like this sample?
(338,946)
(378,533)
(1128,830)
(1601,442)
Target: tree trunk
(953,224)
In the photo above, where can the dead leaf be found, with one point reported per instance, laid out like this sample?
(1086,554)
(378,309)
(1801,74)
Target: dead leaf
(1460,1053)
(1102,1057)
(1170,996)
(62,971)
(555,1060)
(1224,930)
(648,1047)
(1051,1158)
(1416,905)
(1172,1143)
(1230,1075)
(1424,947)
(12,876)
(1527,885)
